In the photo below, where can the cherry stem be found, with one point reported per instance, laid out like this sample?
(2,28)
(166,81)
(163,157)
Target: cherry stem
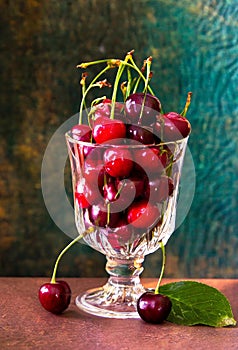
(114,93)
(128,90)
(148,65)
(188,101)
(162,268)
(111,62)
(134,66)
(87,90)
(53,278)
(83,83)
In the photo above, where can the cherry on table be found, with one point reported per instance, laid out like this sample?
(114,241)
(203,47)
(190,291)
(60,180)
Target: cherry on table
(55,297)
(153,308)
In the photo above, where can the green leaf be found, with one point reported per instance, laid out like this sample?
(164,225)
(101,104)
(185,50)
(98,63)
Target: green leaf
(197,303)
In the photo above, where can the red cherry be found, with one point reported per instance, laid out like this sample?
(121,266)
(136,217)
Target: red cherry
(121,235)
(148,159)
(101,217)
(132,185)
(82,132)
(142,214)
(106,129)
(109,189)
(171,127)
(55,297)
(140,134)
(159,189)
(94,174)
(118,162)
(133,105)
(153,308)
(81,200)
(103,109)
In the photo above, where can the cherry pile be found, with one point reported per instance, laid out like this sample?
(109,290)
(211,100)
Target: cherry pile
(128,177)
(126,152)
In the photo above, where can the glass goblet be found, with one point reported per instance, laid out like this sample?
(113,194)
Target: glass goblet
(127,195)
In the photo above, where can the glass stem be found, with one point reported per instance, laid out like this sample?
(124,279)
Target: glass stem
(124,272)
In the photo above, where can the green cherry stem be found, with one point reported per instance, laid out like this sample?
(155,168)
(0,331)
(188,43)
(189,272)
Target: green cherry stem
(148,72)
(148,66)
(135,67)
(162,268)
(87,90)
(188,101)
(115,88)
(110,62)
(120,70)
(53,278)
(129,85)
(83,83)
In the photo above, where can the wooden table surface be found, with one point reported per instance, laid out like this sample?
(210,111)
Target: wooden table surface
(24,324)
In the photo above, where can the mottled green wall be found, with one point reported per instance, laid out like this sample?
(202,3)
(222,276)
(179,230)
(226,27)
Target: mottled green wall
(194,45)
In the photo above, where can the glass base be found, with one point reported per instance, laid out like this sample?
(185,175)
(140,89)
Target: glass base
(113,300)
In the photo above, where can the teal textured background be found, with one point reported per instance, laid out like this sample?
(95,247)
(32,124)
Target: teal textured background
(194,47)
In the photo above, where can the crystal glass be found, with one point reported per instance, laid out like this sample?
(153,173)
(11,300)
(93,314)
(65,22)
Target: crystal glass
(129,219)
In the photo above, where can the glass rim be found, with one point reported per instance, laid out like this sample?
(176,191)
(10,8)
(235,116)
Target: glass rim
(120,145)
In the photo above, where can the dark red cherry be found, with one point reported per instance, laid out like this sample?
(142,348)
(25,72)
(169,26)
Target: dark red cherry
(106,129)
(133,104)
(121,235)
(82,132)
(171,127)
(55,297)
(103,109)
(153,308)
(100,215)
(159,189)
(93,195)
(164,155)
(85,195)
(133,184)
(118,162)
(126,193)
(140,134)
(94,174)
(147,158)
(109,189)
(142,214)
